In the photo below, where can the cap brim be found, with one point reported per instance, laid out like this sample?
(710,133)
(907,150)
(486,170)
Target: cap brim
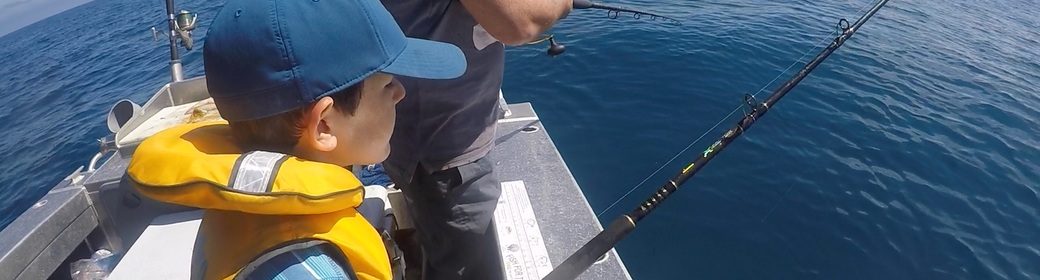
(429,60)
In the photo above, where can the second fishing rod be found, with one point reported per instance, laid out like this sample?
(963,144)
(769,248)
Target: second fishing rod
(585,256)
(613,12)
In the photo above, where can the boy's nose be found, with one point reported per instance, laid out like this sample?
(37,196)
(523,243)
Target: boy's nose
(399,91)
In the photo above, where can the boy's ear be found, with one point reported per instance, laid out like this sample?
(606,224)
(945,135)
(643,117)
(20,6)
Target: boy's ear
(318,133)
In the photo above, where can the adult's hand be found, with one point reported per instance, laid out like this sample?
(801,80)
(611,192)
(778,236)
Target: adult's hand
(514,22)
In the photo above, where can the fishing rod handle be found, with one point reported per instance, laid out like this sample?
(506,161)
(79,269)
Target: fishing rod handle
(598,246)
(582,4)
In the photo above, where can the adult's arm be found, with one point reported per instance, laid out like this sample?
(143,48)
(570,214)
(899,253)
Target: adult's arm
(514,22)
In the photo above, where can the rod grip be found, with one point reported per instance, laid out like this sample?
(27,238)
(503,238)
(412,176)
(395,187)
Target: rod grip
(582,4)
(587,254)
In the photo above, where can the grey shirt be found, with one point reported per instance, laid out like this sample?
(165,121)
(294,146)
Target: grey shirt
(446,123)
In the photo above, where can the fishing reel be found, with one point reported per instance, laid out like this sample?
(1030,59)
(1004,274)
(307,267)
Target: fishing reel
(183,25)
(554,48)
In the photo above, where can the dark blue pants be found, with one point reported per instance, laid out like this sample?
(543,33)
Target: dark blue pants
(452,210)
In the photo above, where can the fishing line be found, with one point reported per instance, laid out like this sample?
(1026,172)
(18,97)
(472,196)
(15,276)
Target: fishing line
(783,197)
(713,127)
(606,239)
(825,40)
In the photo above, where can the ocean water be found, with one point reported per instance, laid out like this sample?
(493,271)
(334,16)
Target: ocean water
(910,154)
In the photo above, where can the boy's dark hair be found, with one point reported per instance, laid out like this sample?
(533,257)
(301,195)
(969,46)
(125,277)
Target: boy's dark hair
(280,133)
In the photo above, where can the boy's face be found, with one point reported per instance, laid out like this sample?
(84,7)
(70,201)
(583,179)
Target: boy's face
(364,138)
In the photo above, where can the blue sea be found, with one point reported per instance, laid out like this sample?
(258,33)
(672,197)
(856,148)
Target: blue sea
(911,153)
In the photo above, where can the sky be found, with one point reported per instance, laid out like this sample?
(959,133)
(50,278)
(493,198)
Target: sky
(15,14)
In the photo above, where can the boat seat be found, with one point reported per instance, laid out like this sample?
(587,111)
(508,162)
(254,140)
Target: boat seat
(165,248)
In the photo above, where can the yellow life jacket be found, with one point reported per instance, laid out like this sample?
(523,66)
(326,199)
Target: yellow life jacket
(256,202)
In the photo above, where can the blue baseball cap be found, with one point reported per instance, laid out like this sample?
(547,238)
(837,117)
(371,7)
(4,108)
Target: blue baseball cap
(265,57)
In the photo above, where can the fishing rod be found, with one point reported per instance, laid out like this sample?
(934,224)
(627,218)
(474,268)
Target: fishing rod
(620,227)
(613,12)
(180,26)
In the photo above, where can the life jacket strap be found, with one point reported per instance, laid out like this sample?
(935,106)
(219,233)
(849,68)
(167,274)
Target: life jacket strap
(328,248)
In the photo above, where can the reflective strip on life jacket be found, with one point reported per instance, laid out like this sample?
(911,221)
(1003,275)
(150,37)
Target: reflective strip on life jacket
(254,172)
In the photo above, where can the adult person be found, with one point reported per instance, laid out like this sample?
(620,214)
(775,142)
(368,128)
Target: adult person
(307,89)
(439,155)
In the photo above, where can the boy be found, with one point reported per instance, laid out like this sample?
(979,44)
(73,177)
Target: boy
(307,90)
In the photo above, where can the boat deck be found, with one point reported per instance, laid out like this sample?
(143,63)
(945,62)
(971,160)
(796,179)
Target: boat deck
(543,213)
(525,153)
